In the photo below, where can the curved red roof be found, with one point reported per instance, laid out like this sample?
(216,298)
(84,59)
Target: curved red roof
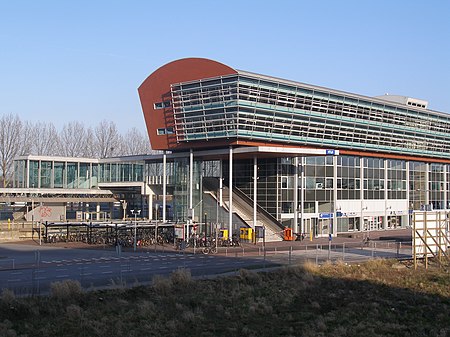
(156,88)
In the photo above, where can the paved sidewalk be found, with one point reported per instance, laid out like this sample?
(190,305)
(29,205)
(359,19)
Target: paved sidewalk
(355,239)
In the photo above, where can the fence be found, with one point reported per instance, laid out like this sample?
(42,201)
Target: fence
(125,268)
(318,253)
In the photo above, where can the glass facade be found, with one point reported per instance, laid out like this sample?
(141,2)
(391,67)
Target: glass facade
(417,184)
(346,193)
(43,173)
(436,186)
(396,179)
(20,173)
(361,193)
(120,172)
(348,178)
(248,106)
(59,174)
(374,178)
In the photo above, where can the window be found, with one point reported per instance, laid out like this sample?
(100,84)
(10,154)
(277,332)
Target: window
(284,182)
(162,105)
(165,131)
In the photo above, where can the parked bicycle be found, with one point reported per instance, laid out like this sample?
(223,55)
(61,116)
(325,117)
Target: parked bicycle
(210,247)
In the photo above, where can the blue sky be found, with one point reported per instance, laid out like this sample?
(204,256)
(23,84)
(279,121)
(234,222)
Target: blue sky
(83,60)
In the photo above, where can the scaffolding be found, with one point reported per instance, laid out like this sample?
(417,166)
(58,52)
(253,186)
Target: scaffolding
(431,236)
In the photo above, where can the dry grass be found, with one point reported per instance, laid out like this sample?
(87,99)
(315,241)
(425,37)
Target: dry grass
(181,277)
(379,298)
(65,289)
(8,296)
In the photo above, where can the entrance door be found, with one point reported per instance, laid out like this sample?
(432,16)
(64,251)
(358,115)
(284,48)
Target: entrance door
(307,226)
(375,223)
(324,227)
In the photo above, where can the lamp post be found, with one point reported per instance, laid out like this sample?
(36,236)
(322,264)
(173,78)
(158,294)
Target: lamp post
(32,211)
(206,228)
(124,207)
(135,212)
(156,224)
(363,223)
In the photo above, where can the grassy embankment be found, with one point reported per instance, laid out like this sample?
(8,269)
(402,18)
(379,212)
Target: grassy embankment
(378,298)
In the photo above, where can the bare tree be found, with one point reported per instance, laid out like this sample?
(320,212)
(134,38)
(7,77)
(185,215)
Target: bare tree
(135,143)
(10,143)
(108,139)
(45,139)
(26,139)
(72,139)
(90,148)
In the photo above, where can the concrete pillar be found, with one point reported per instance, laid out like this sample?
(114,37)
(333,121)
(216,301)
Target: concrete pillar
(296,226)
(230,197)
(164,187)
(97,212)
(255,188)
(191,191)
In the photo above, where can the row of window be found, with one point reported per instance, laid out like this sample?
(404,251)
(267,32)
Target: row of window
(162,105)
(71,175)
(271,110)
(417,104)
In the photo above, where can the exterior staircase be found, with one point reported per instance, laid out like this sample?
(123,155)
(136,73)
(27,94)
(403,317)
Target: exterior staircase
(243,208)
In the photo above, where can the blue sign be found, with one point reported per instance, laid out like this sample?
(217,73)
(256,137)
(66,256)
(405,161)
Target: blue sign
(339,213)
(330,152)
(325,215)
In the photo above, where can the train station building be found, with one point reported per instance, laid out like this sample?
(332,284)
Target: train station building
(240,149)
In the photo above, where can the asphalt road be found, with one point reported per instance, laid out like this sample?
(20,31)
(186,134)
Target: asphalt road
(30,269)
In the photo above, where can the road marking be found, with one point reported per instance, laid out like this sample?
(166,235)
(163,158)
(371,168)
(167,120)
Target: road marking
(62,276)
(107,266)
(17,273)
(106,272)
(15,280)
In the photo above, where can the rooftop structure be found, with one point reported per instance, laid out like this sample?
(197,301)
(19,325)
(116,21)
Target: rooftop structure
(197,103)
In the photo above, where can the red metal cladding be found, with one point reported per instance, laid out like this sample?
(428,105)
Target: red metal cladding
(156,88)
